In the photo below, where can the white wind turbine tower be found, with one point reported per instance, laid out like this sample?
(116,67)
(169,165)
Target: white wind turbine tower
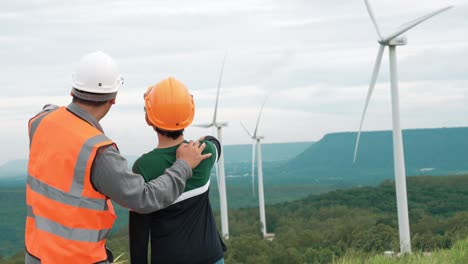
(220,168)
(261,198)
(393,40)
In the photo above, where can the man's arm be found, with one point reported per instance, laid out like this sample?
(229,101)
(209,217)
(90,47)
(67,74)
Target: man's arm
(111,177)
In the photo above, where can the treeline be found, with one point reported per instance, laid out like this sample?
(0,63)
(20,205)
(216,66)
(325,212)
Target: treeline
(324,228)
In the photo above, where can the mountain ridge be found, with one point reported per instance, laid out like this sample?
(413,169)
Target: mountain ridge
(15,171)
(432,151)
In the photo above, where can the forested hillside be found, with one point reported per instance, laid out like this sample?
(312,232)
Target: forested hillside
(323,228)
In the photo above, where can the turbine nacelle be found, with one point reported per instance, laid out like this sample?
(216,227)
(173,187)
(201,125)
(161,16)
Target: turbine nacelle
(220,124)
(398,41)
(217,125)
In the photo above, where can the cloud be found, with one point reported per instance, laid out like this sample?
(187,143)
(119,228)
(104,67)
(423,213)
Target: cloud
(314,59)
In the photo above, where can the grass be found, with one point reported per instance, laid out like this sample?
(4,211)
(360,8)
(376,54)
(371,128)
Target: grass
(118,259)
(458,254)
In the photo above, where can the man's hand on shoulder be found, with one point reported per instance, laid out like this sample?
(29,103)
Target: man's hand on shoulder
(215,142)
(192,153)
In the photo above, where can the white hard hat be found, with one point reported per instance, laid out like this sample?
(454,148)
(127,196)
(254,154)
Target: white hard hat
(97,73)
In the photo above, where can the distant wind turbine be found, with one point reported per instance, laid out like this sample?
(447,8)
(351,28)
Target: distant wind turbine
(393,40)
(261,198)
(220,168)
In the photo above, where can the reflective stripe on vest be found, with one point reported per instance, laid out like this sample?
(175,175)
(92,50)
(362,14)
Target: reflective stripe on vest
(78,234)
(66,198)
(85,152)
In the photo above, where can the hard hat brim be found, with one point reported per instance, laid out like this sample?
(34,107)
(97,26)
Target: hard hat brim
(95,97)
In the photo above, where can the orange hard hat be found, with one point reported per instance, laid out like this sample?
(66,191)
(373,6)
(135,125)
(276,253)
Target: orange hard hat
(169,105)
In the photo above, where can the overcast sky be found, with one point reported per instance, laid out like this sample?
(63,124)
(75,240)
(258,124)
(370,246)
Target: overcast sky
(313,57)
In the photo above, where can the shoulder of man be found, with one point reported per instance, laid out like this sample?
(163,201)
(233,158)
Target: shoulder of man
(213,146)
(45,109)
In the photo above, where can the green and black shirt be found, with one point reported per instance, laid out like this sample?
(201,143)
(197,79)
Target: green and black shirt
(184,232)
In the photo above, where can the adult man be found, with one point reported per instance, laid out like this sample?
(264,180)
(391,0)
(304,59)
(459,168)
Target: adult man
(74,169)
(184,232)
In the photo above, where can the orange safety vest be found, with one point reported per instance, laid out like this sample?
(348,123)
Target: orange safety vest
(67,220)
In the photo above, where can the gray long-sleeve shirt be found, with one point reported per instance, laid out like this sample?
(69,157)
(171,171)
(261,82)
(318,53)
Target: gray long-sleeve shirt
(110,176)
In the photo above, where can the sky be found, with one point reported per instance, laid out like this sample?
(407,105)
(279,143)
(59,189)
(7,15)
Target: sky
(313,59)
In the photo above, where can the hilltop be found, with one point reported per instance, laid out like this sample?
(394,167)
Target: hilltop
(438,151)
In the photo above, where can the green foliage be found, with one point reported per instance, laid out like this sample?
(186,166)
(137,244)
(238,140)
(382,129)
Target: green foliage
(12,220)
(324,228)
(17,258)
(354,226)
(347,226)
(458,254)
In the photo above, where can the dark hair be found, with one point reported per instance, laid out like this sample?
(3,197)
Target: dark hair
(172,134)
(87,102)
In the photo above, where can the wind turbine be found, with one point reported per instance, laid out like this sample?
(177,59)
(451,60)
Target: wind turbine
(220,168)
(392,40)
(261,198)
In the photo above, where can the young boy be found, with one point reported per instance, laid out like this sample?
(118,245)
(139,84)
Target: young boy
(184,232)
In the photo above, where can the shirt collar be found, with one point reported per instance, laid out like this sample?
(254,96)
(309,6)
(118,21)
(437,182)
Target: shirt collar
(78,111)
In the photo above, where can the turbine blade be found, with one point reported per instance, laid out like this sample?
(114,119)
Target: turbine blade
(411,24)
(217,174)
(246,130)
(219,86)
(203,125)
(371,14)
(253,168)
(375,74)
(259,115)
